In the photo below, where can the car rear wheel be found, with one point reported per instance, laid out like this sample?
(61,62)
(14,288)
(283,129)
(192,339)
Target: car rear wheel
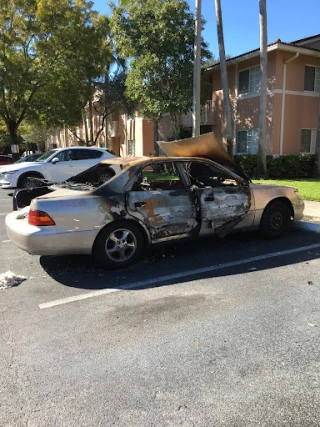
(275,220)
(28,181)
(118,245)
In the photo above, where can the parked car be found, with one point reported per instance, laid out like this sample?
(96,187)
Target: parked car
(29,158)
(150,200)
(56,166)
(5,160)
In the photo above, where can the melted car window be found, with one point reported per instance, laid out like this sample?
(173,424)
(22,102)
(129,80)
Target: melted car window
(158,176)
(204,175)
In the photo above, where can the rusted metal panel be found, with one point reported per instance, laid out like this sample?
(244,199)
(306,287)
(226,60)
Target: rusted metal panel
(222,205)
(165,213)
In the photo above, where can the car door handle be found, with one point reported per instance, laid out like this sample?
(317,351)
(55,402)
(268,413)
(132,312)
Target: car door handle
(140,204)
(209,199)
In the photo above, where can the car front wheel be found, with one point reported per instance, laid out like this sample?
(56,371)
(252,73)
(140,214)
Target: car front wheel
(119,245)
(275,220)
(29,181)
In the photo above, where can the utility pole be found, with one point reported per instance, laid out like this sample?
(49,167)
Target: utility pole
(196,72)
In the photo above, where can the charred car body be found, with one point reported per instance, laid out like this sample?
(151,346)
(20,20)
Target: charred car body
(151,200)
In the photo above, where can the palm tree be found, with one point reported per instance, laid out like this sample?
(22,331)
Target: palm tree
(262,164)
(224,77)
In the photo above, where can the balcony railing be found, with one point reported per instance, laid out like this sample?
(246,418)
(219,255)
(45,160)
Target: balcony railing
(206,115)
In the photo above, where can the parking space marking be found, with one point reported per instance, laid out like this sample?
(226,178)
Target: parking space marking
(3,214)
(181,275)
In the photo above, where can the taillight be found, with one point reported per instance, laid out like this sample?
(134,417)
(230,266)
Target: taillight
(39,218)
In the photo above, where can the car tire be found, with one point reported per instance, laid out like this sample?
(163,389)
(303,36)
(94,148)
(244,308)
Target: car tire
(26,181)
(119,245)
(275,220)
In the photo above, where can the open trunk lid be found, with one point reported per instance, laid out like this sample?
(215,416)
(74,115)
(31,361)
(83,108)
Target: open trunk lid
(207,146)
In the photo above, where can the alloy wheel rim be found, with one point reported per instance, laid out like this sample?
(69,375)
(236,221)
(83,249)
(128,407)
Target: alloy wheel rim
(276,221)
(121,245)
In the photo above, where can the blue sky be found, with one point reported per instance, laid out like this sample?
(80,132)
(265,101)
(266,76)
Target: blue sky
(287,19)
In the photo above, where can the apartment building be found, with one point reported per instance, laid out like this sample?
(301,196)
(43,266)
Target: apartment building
(292,107)
(292,92)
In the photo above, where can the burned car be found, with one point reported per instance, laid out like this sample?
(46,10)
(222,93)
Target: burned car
(150,200)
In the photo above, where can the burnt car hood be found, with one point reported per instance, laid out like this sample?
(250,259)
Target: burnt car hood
(206,146)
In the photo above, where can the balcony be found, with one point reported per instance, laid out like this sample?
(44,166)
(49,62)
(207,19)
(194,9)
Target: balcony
(206,117)
(113,128)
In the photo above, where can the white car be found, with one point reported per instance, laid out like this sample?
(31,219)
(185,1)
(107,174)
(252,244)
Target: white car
(56,165)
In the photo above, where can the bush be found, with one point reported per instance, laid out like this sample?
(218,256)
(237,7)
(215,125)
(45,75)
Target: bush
(283,167)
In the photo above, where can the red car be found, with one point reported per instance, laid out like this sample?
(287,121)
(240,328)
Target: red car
(5,160)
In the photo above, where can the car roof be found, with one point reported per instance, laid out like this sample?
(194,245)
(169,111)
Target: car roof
(79,146)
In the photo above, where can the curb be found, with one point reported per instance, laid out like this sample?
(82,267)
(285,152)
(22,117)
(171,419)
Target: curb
(307,226)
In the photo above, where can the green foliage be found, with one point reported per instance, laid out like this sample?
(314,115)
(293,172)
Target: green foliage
(158,36)
(282,167)
(50,51)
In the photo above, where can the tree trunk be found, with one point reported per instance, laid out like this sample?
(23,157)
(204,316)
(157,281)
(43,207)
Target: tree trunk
(84,119)
(12,127)
(155,139)
(262,164)
(224,77)
(317,150)
(197,72)
(91,122)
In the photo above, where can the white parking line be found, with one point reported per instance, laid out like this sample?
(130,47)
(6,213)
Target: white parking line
(3,214)
(181,275)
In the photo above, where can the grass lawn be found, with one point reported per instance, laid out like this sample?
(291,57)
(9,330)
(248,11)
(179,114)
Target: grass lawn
(309,189)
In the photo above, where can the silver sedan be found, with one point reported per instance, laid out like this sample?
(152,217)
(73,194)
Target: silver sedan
(151,200)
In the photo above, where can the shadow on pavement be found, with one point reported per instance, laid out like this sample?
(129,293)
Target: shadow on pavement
(82,272)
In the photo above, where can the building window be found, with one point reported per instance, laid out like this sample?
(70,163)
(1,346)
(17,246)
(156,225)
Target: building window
(131,147)
(249,81)
(247,141)
(312,79)
(308,140)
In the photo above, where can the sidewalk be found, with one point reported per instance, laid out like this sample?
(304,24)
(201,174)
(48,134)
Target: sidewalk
(311,219)
(312,211)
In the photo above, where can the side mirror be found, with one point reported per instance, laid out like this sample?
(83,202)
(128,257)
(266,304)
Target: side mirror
(55,160)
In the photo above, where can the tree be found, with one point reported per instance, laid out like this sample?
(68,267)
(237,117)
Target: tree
(224,77)
(109,99)
(262,162)
(158,37)
(48,51)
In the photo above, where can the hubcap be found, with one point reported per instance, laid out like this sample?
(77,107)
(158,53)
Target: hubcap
(121,245)
(276,221)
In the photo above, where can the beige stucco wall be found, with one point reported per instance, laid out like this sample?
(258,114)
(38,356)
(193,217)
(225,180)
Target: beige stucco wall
(300,109)
(245,109)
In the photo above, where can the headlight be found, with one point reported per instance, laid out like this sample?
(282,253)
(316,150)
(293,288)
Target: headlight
(10,172)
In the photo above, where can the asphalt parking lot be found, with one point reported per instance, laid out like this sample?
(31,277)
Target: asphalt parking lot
(212,332)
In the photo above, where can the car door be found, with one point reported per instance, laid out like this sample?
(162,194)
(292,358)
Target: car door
(62,169)
(224,200)
(160,199)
